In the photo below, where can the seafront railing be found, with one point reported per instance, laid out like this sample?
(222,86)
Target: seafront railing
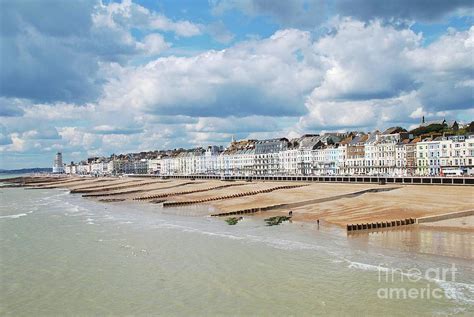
(408,180)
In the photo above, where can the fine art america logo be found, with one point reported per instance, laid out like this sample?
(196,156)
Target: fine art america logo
(394,277)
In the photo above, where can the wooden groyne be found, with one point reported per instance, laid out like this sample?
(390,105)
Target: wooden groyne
(133,191)
(29,180)
(11,186)
(303,203)
(155,189)
(104,184)
(450,215)
(380,225)
(110,187)
(52,185)
(111,200)
(185,192)
(238,195)
(238,212)
(13,180)
(157,201)
(408,221)
(57,182)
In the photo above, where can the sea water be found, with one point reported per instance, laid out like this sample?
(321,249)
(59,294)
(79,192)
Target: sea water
(62,254)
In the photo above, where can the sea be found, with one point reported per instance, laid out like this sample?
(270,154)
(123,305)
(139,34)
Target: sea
(62,254)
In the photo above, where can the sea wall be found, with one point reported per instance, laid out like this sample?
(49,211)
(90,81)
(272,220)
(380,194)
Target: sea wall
(408,180)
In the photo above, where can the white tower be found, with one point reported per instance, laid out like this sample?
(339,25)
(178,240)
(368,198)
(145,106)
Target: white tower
(58,167)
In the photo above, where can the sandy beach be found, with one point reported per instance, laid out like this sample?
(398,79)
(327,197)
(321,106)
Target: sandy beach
(337,204)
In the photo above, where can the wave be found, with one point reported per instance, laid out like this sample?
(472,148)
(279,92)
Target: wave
(14,216)
(462,293)
(282,244)
(366,267)
(23,214)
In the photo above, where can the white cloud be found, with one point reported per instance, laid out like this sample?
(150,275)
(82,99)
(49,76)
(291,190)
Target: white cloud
(384,76)
(181,28)
(267,77)
(127,14)
(13,143)
(115,130)
(42,133)
(445,70)
(374,81)
(366,61)
(60,111)
(153,44)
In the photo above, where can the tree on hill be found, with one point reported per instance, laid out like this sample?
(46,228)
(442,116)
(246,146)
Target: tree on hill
(432,128)
(470,127)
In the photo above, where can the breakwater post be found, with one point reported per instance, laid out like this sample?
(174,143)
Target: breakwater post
(379,225)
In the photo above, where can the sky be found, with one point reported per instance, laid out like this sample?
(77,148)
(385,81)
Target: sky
(91,78)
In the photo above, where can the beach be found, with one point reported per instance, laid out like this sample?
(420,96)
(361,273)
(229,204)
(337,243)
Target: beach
(335,204)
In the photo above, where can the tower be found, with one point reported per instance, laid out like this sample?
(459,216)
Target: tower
(58,167)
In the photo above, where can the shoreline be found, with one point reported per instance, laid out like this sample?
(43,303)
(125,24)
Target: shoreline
(336,204)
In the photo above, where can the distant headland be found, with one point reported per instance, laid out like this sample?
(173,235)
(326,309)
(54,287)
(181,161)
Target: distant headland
(27,170)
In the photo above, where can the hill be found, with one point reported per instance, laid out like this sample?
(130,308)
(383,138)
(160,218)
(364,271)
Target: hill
(27,170)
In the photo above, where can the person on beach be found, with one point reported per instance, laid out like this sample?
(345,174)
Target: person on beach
(318,223)
(290,213)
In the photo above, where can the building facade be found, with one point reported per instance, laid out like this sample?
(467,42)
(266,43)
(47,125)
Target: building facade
(390,153)
(58,166)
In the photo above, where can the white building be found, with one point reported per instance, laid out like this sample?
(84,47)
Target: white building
(211,159)
(169,164)
(83,168)
(115,166)
(298,158)
(428,157)
(99,168)
(392,153)
(154,166)
(354,162)
(456,155)
(327,160)
(386,154)
(370,154)
(242,162)
(434,154)
(70,169)
(237,159)
(267,160)
(135,166)
(401,158)
(58,167)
